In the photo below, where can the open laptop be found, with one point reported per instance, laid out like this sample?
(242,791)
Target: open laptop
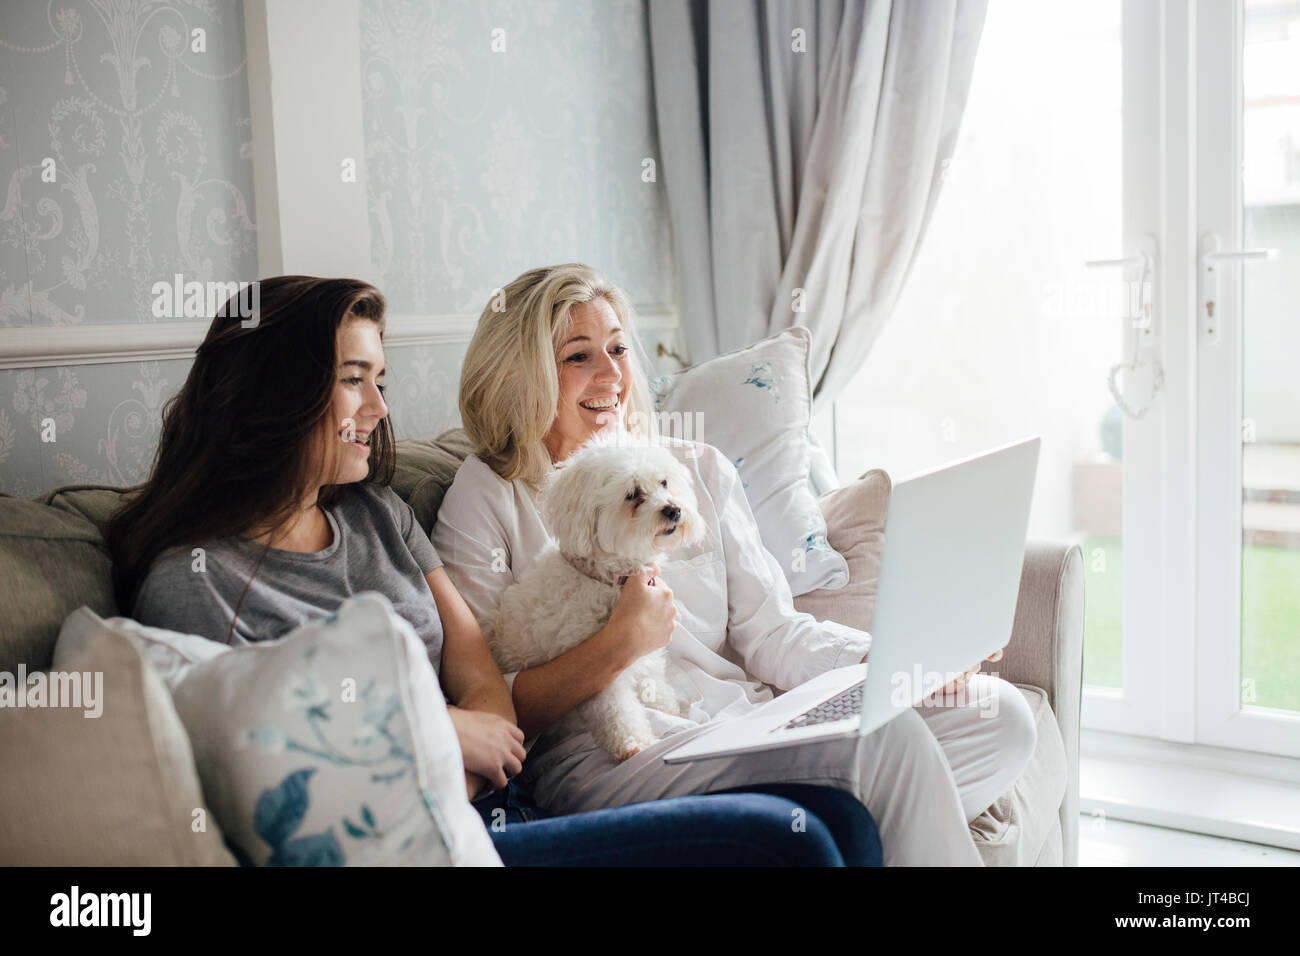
(949,580)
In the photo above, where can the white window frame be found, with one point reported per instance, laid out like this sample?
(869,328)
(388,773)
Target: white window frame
(1174,747)
(1221,719)
(1182,462)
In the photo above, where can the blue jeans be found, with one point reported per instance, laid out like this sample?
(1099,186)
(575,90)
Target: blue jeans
(751,827)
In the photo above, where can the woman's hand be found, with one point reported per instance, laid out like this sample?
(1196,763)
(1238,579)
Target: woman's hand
(491,746)
(964,679)
(474,785)
(641,621)
(643,616)
(958,683)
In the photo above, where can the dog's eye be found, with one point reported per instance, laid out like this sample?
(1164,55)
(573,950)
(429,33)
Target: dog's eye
(663,483)
(636,495)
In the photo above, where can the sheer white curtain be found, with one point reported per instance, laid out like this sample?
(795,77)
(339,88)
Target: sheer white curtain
(803,144)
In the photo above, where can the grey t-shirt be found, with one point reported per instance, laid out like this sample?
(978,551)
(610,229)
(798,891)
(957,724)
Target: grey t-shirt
(377,546)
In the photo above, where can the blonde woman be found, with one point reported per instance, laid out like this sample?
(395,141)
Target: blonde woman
(546,369)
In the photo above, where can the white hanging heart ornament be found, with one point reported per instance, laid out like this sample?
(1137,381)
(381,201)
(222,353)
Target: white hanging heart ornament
(1133,376)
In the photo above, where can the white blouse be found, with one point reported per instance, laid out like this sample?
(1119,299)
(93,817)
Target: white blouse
(737,628)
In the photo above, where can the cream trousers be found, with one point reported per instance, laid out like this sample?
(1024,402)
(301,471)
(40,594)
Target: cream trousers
(924,776)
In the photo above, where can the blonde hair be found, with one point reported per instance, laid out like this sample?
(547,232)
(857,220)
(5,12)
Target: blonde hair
(509,382)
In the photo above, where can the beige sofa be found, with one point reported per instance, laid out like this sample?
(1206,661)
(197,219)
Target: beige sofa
(53,561)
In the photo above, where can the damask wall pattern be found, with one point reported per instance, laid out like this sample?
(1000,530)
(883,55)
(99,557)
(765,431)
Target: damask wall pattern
(107,417)
(480,165)
(105,420)
(125,158)
(125,153)
(507,134)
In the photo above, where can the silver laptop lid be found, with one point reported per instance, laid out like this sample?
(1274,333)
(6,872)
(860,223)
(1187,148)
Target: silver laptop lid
(949,575)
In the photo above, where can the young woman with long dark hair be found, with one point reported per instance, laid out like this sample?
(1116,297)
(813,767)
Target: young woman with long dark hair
(274,458)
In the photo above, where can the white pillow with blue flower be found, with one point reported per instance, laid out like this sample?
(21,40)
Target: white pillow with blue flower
(331,746)
(754,405)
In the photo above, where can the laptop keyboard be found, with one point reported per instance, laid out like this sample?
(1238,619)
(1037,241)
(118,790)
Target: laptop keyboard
(847,703)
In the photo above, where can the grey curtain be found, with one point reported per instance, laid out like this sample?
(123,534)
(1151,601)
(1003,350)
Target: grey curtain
(814,171)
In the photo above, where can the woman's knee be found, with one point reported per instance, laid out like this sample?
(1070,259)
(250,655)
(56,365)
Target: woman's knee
(1017,729)
(749,829)
(906,728)
(906,745)
(850,824)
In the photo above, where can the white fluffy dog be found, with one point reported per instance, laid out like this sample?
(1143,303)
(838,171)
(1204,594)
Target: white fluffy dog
(613,507)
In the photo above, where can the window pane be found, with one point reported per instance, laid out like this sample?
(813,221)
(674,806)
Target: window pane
(1270,518)
(1001,332)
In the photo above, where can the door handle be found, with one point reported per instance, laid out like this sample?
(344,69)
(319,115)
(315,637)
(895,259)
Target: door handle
(1212,262)
(1140,321)
(1145,263)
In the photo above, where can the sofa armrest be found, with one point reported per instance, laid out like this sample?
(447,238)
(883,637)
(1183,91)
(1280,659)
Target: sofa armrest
(1046,650)
(1046,647)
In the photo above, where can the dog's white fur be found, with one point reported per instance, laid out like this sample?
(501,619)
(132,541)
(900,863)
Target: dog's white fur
(613,507)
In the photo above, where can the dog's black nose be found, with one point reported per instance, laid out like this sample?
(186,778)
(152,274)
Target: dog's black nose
(671,512)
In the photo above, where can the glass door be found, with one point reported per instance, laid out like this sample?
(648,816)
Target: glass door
(1248,249)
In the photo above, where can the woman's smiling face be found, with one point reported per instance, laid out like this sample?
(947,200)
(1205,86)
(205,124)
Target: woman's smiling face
(358,400)
(594,373)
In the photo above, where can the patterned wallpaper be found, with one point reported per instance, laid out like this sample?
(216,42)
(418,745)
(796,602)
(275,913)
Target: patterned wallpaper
(508,134)
(107,417)
(480,164)
(125,153)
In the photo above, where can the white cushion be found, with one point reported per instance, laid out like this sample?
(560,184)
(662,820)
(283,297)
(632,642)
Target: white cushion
(753,405)
(171,654)
(329,746)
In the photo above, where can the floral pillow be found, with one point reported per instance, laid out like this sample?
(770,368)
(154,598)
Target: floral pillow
(753,405)
(331,746)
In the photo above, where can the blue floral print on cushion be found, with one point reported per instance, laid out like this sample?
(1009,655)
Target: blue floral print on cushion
(278,815)
(815,539)
(761,376)
(743,482)
(660,386)
(332,746)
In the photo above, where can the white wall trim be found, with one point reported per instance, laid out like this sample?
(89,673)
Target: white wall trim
(107,344)
(304,95)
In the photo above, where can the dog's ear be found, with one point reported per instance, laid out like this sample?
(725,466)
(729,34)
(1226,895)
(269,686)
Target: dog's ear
(570,508)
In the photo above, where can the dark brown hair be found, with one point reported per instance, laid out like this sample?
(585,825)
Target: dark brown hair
(238,438)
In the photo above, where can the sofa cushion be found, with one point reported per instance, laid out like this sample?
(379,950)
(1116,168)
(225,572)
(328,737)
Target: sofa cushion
(753,405)
(119,789)
(53,557)
(425,469)
(1053,848)
(52,562)
(1013,830)
(333,746)
(95,503)
(855,525)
